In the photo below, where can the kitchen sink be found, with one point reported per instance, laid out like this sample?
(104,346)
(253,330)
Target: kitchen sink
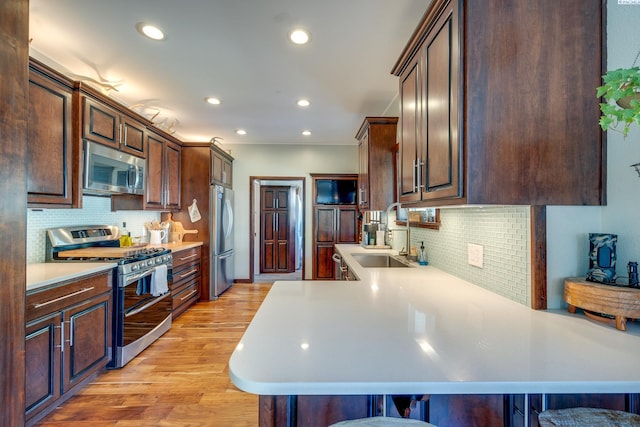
(379,261)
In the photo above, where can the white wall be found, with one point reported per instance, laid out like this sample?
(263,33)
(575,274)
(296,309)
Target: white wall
(281,161)
(568,227)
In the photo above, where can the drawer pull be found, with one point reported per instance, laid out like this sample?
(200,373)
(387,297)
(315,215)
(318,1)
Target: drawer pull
(188,273)
(73,294)
(190,295)
(188,257)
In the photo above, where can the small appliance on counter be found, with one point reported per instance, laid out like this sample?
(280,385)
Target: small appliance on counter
(602,258)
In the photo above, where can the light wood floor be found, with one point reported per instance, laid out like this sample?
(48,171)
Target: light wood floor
(180,380)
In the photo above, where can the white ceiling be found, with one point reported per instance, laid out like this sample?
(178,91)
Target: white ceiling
(236,50)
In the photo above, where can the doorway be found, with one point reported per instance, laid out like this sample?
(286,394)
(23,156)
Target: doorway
(277,228)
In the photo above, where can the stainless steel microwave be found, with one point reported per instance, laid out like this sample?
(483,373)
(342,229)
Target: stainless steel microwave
(109,171)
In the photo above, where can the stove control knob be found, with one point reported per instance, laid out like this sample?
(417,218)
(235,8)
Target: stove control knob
(135,267)
(151,261)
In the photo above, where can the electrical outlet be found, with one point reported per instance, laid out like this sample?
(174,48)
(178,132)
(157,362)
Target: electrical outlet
(475,254)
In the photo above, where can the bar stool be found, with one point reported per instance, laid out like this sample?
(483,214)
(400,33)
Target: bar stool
(575,417)
(382,422)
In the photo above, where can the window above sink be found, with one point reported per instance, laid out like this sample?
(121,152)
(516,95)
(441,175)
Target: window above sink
(419,217)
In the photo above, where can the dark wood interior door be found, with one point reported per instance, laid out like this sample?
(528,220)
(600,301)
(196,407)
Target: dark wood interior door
(277,236)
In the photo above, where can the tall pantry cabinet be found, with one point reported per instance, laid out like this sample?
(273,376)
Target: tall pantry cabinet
(335,220)
(200,168)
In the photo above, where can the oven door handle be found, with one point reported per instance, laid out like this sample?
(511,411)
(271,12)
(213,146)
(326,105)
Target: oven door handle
(147,305)
(135,278)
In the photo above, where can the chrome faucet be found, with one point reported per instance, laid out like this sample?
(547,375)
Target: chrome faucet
(404,251)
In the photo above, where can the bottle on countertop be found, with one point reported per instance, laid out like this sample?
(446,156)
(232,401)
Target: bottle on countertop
(422,255)
(125,235)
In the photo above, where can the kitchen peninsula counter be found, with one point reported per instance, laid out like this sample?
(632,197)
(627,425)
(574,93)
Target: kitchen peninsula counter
(422,331)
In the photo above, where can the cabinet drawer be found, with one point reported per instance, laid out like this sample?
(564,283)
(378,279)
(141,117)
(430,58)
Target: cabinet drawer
(186,296)
(187,256)
(65,294)
(185,273)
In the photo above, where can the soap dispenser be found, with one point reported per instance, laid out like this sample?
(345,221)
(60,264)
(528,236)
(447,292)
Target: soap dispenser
(422,255)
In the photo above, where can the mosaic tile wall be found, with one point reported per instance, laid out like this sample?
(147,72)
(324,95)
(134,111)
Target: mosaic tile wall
(504,234)
(95,211)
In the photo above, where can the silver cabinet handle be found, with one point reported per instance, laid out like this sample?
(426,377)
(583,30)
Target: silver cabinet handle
(81,291)
(70,341)
(187,257)
(189,273)
(61,327)
(193,291)
(420,183)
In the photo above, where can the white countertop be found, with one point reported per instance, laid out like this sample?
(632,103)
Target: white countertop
(420,330)
(44,274)
(48,273)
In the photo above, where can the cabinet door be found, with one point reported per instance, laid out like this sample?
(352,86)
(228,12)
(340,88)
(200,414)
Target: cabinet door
(154,192)
(172,153)
(132,138)
(42,363)
(216,168)
(324,237)
(324,266)
(455,410)
(363,171)
(441,144)
(347,225)
(227,172)
(49,142)
(100,123)
(88,328)
(410,133)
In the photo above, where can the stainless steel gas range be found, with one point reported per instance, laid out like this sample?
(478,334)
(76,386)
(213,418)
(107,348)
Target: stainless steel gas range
(141,296)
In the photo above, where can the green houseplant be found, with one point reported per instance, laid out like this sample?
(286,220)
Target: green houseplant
(621,91)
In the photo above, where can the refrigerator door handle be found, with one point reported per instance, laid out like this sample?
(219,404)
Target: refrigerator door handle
(229,211)
(225,255)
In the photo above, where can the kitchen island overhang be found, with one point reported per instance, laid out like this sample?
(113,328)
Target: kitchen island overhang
(423,331)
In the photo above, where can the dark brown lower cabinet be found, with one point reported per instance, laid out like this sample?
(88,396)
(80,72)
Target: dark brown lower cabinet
(67,342)
(467,410)
(312,411)
(185,284)
(464,410)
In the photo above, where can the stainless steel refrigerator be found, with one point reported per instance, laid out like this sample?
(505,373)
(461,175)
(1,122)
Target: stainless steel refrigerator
(221,225)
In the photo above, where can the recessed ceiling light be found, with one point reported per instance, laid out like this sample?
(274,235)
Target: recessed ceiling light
(213,101)
(299,36)
(241,131)
(306,132)
(150,31)
(303,102)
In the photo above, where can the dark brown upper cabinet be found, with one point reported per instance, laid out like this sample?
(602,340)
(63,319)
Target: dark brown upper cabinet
(109,123)
(498,104)
(376,151)
(53,150)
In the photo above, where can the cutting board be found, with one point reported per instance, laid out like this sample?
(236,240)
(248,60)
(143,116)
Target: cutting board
(109,252)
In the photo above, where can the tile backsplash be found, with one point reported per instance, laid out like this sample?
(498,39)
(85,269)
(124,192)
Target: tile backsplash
(504,234)
(95,211)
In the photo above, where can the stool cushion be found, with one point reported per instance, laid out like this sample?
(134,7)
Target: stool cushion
(382,422)
(580,417)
